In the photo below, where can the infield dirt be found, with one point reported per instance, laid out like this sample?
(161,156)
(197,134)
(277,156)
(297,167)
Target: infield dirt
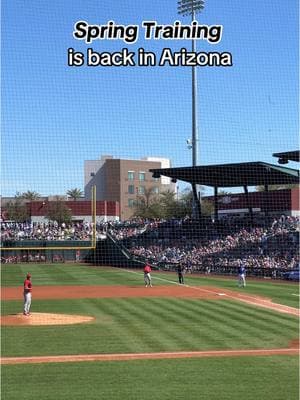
(184,291)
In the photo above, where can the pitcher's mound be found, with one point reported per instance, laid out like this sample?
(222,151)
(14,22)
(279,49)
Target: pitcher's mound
(44,319)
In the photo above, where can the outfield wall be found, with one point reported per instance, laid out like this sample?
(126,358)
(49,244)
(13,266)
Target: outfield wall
(108,252)
(38,251)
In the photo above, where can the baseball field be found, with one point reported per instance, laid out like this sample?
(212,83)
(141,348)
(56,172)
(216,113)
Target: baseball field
(98,333)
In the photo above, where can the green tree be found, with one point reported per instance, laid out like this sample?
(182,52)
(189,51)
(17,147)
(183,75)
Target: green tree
(147,205)
(59,212)
(16,209)
(185,205)
(75,193)
(168,204)
(207,207)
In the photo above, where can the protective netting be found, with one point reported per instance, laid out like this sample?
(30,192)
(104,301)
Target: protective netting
(79,112)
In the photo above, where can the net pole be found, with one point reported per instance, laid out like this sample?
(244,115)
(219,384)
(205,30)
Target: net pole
(94,211)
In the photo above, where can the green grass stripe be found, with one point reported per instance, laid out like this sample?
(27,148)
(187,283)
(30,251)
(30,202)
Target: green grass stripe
(142,319)
(225,326)
(82,274)
(281,292)
(67,274)
(247,378)
(181,322)
(172,324)
(129,321)
(256,321)
(148,325)
(135,325)
(265,315)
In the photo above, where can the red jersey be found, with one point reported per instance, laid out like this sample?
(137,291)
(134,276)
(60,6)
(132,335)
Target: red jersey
(147,269)
(27,286)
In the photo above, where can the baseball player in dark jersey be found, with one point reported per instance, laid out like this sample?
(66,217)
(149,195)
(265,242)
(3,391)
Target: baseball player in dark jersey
(180,271)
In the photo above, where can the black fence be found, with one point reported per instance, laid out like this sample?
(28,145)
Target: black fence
(230,270)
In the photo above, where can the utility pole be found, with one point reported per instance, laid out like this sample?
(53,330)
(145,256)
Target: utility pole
(193,7)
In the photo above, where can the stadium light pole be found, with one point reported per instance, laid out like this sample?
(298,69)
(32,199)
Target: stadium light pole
(193,7)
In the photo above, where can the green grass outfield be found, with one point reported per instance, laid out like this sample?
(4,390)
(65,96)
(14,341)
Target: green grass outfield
(260,378)
(135,325)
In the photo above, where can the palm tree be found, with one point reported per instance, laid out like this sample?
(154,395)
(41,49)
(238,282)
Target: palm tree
(75,193)
(30,196)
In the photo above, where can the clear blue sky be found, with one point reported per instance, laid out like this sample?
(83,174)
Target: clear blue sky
(54,117)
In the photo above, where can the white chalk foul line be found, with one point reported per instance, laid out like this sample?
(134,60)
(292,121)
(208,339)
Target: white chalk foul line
(245,298)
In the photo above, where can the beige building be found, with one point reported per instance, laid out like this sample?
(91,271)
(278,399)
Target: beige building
(123,180)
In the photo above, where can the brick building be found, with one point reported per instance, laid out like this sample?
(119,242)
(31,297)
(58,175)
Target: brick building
(123,180)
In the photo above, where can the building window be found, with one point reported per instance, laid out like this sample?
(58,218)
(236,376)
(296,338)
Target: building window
(156,179)
(141,189)
(130,175)
(131,189)
(155,190)
(130,203)
(142,176)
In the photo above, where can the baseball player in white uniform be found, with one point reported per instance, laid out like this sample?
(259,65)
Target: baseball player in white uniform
(242,276)
(27,294)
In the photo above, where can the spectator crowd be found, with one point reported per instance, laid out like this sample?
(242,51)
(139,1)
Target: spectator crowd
(268,245)
(197,245)
(14,231)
